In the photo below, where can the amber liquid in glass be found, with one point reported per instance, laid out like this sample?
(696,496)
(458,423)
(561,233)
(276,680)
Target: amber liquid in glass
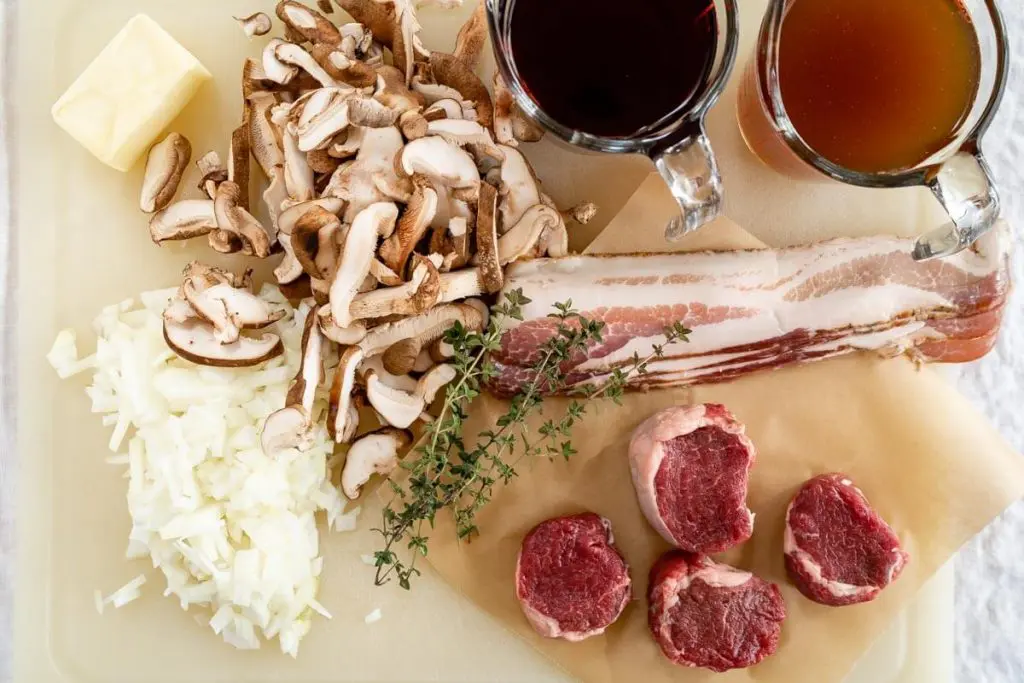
(878,85)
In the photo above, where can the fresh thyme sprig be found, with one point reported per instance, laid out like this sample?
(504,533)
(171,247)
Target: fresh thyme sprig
(443,473)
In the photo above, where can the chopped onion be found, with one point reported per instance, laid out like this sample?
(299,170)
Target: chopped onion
(230,528)
(373,616)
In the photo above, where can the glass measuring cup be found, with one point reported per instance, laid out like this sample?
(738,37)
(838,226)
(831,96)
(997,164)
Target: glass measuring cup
(677,143)
(957,175)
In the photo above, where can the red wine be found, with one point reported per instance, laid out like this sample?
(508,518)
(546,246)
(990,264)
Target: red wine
(613,67)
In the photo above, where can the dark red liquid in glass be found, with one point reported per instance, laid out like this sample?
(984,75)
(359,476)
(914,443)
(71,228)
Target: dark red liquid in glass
(613,67)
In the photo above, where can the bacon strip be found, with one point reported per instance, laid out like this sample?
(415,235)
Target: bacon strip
(758,310)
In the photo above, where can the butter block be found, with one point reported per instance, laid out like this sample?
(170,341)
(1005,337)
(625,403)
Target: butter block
(133,89)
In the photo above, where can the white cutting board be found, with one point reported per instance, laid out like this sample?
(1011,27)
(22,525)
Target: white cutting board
(83,244)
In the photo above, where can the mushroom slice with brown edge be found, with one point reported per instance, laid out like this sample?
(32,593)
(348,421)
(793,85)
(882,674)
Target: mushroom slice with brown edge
(370,113)
(194,341)
(412,226)
(183,220)
(212,172)
(392,91)
(306,238)
(354,333)
(276,70)
(462,284)
(469,44)
(426,327)
(229,310)
(310,24)
(518,186)
(405,382)
(285,428)
(452,72)
(433,381)
(400,358)
(462,133)
(423,361)
(487,240)
(521,239)
(263,139)
(298,176)
(413,297)
(343,68)
(504,103)
(164,167)
(384,275)
(359,250)
(238,163)
(375,15)
(360,182)
(322,114)
(225,242)
(374,453)
(398,408)
(341,424)
(445,109)
(233,218)
(524,128)
(255,25)
(293,55)
(440,160)
(290,216)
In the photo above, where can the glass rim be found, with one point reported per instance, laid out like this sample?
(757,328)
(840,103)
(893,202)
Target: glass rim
(766,56)
(680,125)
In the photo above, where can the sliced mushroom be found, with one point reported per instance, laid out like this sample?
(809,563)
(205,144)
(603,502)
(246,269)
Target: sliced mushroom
(164,167)
(412,124)
(298,176)
(487,240)
(374,453)
(433,381)
(178,310)
(346,336)
(522,238)
(524,128)
(411,298)
(445,109)
(448,70)
(276,70)
(411,228)
(319,116)
(423,361)
(440,160)
(361,182)
(482,308)
(346,144)
(463,133)
(225,242)
(582,213)
(469,44)
(398,408)
(404,382)
(194,341)
(310,24)
(266,147)
(341,424)
(212,173)
(183,220)
(518,187)
(255,25)
(290,216)
(384,275)
(462,284)
(238,162)
(441,351)
(400,358)
(360,246)
(229,310)
(294,56)
(370,113)
(325,6)
(234,219)
(284,429)
(314,230)
(377,16)
(504,104)
(426,327)
(302,391)
(393,92)
(274,197)
(344,68)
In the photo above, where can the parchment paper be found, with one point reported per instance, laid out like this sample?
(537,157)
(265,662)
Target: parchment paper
(933,467)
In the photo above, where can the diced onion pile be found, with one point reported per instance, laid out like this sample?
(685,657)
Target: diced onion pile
(230,528)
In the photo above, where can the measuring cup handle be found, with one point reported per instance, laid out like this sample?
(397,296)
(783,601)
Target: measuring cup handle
(967,191)
(690,169)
